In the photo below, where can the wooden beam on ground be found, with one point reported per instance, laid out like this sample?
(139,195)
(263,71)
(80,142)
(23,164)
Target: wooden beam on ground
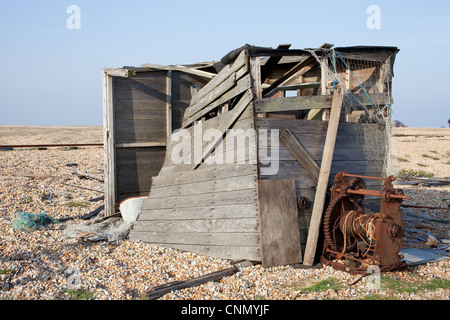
(159,291)
(321,190)
(300,153)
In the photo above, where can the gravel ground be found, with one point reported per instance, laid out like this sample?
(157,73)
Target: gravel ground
(44,264)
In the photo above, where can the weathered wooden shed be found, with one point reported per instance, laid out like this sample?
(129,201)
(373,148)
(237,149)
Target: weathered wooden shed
(257,138)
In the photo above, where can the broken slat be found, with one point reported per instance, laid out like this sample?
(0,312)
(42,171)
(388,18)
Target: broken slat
(242,85)
(325,167)
(299,69)
(194,71)
(161,290)
(211,96)
(300,153)
(227,122)
(271,63)
(220,77)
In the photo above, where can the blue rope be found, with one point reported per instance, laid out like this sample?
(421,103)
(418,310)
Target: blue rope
(373,106)
(388,105)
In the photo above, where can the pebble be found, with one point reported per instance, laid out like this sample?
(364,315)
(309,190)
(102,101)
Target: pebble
(43,265)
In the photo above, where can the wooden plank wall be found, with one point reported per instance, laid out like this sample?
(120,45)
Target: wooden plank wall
(145,105)
(212,210)
(359,150)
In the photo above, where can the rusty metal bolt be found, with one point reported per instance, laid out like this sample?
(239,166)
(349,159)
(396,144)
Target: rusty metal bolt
(394,230)
(302,202)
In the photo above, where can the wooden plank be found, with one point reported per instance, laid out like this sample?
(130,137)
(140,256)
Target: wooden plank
(229,118)
(139,144)
(109,150)
(205,173)
(255,71)
(280,235)
(169,103)
(300,153)
(300,68)
(241,85)
(220,77)
(194,71)
(212,95)
(201,200)
(231,211)
(216,185)
(221,251)
(304,127)
(294,167)
(315,102)
(271,63)
(244,225)
(159,291)
(325,167)
(341,153)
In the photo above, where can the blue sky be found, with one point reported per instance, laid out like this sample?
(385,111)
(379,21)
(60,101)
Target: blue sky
(51,75)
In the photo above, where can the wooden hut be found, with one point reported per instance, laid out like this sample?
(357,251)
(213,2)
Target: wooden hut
(241,177)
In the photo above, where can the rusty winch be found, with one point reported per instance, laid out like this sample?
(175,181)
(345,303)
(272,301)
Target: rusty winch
(355,240)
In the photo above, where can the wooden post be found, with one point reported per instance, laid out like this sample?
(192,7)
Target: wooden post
(324,84)
(324,175)
(169,103)
(109,148)
(255,71)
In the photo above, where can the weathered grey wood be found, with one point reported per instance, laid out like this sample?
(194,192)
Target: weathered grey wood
(169,102)
(139,144)
(159,291)
(220,77)
(109,150)
(325,167)
(222,251)
(211,96)
(341,153)
(205,173)
(216,185)
(255,71)
(242,225)
(271,63)
(230,211)
(280,235)
(361,167)
(194,71)
(300,68)
(229,118)
(200,200)
(315,102)
(149,135)
(300,154)
(241,85)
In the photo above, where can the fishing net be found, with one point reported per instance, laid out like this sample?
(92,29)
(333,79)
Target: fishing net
(110,230)
(29,222)
(367,84)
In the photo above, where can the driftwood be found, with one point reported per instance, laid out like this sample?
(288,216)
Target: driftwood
(161,290)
